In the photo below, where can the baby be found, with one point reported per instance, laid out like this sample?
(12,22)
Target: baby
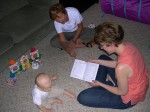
(45,95)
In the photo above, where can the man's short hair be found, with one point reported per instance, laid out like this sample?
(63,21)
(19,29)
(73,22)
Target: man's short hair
(55,9)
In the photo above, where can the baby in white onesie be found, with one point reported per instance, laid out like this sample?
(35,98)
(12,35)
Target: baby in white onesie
(45,95)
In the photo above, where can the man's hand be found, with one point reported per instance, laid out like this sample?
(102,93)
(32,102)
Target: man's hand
(71,52)
(72,44)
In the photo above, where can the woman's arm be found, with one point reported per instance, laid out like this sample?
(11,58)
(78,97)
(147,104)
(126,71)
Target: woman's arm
(108,63)
(122,74)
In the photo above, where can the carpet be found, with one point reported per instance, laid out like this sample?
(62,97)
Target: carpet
(19,99)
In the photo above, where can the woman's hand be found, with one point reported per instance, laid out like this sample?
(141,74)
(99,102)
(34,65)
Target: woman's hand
(95,83)
(91,60)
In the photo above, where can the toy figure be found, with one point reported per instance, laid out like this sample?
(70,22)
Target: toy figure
(11,81)
(34,54)
(92,26)
(35,58)
(14,67)
(35,65)
(25,62)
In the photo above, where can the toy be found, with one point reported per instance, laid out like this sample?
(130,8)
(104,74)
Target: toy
(35,65)
(35,58)
(92,26)
(34,54)
(14,67)
(25,62)
(11,81)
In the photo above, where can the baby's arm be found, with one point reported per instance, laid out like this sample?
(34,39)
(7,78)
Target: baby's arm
(71,95)
(43,109)
(54,77)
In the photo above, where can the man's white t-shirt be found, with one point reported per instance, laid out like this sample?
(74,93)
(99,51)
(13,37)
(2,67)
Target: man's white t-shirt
(72,24)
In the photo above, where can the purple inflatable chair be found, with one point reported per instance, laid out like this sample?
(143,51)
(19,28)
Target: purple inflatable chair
(137,10)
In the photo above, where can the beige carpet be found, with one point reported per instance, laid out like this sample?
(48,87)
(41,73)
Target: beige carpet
(19,99)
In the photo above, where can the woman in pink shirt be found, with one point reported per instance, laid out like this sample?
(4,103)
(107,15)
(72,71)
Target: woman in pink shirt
(129,80)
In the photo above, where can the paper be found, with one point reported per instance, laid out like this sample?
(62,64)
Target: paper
(83,70)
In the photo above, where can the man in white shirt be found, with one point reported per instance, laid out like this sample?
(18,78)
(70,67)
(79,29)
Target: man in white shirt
(69,28)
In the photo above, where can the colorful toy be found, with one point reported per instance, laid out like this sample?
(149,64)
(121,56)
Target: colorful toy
(25,62)
(35,58)
(34,54)
(14,69)
(35,65)
(11,81)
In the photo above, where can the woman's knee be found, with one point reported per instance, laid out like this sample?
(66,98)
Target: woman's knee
(81,98)
(84,96)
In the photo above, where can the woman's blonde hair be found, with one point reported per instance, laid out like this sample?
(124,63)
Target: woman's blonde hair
(108,33)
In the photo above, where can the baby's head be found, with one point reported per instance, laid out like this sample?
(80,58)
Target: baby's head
(43,81)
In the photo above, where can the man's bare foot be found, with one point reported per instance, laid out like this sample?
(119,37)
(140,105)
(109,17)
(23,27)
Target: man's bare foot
(79,44)
(91,43)
(71,44)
